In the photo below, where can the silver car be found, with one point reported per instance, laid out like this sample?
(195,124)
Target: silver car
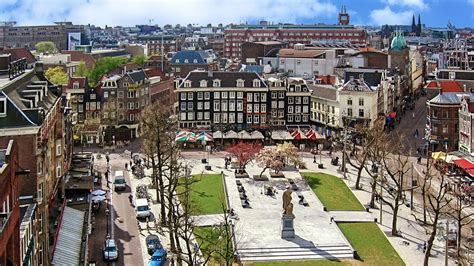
(110,250)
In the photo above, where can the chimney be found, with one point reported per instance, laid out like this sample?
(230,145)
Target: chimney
(209,72)
(464,87)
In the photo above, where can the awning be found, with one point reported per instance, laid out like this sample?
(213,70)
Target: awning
(464,164)
(244,135)
(230,135)
(450,158)
(281,135)
(205,136)
(68,245)
(313,135)
(438,155)
(217,135)
(181,136)
(298,135)
(256,135)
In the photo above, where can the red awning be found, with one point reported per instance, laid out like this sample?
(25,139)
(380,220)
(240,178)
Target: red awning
(464,164)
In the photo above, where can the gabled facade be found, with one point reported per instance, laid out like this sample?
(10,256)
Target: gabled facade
(186,61)
(358,102)
(298,98)
(466,126)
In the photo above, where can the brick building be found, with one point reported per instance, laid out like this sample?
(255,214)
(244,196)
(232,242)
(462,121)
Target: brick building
(252,52)
(28,36)
(32,115)
(236,35)
(9,204)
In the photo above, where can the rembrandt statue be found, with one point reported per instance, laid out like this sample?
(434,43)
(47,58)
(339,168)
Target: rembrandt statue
(287,205)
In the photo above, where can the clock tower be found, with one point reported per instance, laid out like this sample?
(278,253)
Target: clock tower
(343,16)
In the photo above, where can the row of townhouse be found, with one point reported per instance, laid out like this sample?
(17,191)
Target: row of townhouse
(246,101)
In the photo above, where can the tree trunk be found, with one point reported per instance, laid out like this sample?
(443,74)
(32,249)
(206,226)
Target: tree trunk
(372,196)
(429,245)
(359,175)
(423,194)
(161,187)
(261,173)
(395,219)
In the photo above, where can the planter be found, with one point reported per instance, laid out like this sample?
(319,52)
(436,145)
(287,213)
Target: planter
(277,175)
(260,178)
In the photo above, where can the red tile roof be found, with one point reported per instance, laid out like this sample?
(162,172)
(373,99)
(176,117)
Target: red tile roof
(327,79)
(445,85)
(18,53)
(77,56)
(82,82)
(155,72)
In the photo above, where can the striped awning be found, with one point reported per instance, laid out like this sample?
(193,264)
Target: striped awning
(68,245)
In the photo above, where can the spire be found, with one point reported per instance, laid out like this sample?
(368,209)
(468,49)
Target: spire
(413,25)
(419,25)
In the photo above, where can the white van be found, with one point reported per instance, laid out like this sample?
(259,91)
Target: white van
(141,208)
(119,180)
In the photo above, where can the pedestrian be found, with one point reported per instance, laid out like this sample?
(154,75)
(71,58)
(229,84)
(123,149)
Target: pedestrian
(314,159)
(424,247)
(126,166)
(413,114)
(332,220)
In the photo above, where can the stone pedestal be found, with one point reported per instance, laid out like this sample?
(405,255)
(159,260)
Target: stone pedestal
(287,226)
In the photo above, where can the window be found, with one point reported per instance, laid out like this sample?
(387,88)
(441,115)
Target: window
(298,62)
(231,118)
(3,106)
(274,95)
(305,100)
(445,129)
(58,169)
(281,94)
(190,96)
(240,94)
(207,115)
(232,94)
(297,109)
(216,83)
(263,108)
(349,111)
(130,106)
(240,83)
(256,108)
(274,104)
(207,95)
(256,119)
(203,83)
(207,105)
(186,61)
(305,109)
(256,83)
(40,167)
(190,106)
(349,101)
(361,101)
(217,95)
(183,106)
(249,108)
(297,118)
(40,195)
(290,109)
(281,104)
(240,118)
(58,147)
(190,115)
(120,94)
(290,100)
(131,117)
(249,97)
(332,109)
(224,95)
(361,112)
(224,106)
(200,95)
(137,105)
(177,61)
(217,118)
(199,105)
(249,119)
(224,118)
(183,96)
(263,119)
(177,69)
(240,105)
(256,97)
(80,108)
(199,116)
(217,106)
(290,118)
(75,85)
(298,100)
(263,97)
(187,84)
(282,62)
(232,105)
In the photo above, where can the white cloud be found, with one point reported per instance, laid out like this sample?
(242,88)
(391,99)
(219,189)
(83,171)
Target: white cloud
(410,3)
(388,16)
(128,12)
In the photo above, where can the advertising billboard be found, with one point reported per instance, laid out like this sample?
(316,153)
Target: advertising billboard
(73,39)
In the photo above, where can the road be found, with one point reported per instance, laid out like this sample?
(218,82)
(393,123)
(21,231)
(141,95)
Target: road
(122,223)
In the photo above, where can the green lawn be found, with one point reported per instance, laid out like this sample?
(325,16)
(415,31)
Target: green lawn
(371,245)
(298,263)
(333,192)
(208,240)
(207,194)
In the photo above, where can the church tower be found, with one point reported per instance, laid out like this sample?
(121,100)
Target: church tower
(418,32)
(343,16)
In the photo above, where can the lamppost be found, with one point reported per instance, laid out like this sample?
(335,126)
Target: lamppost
(107,236)
(344,123)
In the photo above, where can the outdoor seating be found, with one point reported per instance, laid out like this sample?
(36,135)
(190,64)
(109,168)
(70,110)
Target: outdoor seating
(243,196)
(238,182)
(245,203)
(241,189)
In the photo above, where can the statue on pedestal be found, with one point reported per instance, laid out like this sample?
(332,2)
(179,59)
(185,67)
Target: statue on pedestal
(287,217)
(287,205)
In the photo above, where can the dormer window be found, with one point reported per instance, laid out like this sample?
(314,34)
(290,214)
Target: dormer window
(216,83)
(3,107)
(256,83)
(186,61)
(240,83)
(203,83)
(298,88)
(195,61)
(125,84)
(187,84)
(278,84)
(177,61)
(75,85)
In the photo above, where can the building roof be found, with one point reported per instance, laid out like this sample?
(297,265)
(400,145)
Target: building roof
(68,245)
(77,56)
(306,53)
(371,76)
(82,82)
(252,68)
(322,91)
(445,86)
(155,72)
(228,79)
(458,74)
(136,76)
(270,43)
(398,42)
(18,53)
(450,98)
(190,57)
(357,85)
(327,79)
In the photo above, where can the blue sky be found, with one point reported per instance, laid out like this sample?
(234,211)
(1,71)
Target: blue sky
(435,13)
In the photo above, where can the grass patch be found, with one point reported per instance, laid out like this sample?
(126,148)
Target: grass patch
(211,246)
(207,194)
(298,263)
(372,246)
(333,192)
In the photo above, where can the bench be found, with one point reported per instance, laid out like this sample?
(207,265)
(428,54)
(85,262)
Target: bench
(238,182)
(241,189)
(245,203)
(243,196)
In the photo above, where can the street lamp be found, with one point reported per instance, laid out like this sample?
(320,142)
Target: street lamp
(344,123)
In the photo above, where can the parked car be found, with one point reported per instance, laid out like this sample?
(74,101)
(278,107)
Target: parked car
(110,250)
(153,243)
(141,208)
(119,182)
(158,258)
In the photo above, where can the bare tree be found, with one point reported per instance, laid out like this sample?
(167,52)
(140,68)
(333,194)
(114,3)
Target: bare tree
(438,201)
(158,129)
(459,211)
